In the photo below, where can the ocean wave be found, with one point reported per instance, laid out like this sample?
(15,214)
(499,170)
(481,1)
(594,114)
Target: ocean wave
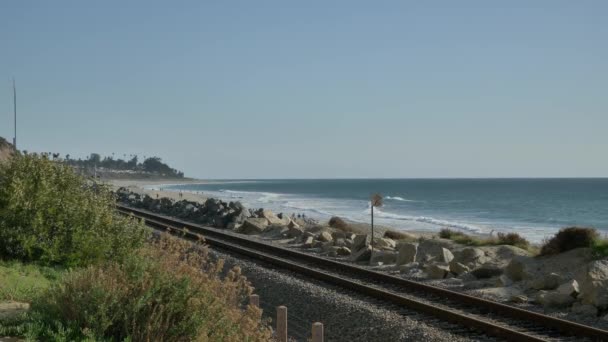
(430,220)
(300,207)
(397,198)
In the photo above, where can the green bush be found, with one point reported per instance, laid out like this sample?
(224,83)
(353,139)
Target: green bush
(52,215)
(396,235)
(570,238)
(167,291)
(512,239)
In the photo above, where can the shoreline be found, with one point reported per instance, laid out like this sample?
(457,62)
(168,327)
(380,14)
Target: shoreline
(140,186)
(144,187)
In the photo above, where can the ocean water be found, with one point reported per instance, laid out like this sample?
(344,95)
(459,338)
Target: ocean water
(535,208)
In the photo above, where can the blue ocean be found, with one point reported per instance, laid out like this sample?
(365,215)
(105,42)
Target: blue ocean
(535,208)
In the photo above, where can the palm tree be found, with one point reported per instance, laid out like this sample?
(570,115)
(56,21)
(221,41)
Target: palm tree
(376,201)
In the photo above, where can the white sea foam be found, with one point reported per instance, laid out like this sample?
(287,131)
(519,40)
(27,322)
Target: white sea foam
(352,209)
(397,198)
(430,220)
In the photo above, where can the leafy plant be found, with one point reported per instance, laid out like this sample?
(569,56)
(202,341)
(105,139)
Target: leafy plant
(570,238)
(169,290)
(52,215)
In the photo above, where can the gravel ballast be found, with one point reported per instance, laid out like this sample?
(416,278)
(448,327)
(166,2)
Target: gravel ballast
(346,316)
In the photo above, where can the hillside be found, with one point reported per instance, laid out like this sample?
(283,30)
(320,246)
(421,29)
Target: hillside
(6,149)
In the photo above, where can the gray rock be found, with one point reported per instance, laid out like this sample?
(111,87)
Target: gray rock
(253,226)
(384,243)
(470,255)
(429,249)
(362,254)
(360,241)
(382,257)
(308,241)
(436,271)
(519,299)
(503,280)
(517,269)
(407,253)
(486,271)
(570,288)
(445,256)
(555,300)
(409,267)
(584,309)
(293,232)
(593,283)
(458,268)
(546,282)
(324,237)
(343,251)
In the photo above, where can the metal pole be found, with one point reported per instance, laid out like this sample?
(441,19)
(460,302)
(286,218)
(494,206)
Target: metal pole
(15,113)
(372,242)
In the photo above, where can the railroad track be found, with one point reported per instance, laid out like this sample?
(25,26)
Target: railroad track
(480,315)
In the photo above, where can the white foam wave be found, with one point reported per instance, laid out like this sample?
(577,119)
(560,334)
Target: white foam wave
(430,220)
(397,198)
(301,207)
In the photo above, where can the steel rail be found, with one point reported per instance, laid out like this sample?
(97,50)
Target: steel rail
(278,256)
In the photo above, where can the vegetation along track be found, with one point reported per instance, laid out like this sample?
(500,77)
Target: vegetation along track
(489,317)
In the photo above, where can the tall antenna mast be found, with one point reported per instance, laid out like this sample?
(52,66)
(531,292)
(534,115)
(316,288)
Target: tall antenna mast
(15,113)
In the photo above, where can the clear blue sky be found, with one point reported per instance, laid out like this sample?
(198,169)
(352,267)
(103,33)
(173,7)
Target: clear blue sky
(307,89)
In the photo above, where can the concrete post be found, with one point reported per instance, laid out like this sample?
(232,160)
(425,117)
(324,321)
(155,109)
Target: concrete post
(317,332)
(254,300)
(282,324)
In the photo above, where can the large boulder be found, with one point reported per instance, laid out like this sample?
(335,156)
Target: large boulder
(308,241)
(360,241)
(486,271)
(324,237)
(362,254)
(470,257)
(384,243)
(253,226)
(272,218)
(584,309)
(382,257)
(293,232)
(407,253)
(458,268)
(570,288)
(593,284)
(437,271)
(343,251)
(554,299)
(432,249)
(519,268)
(546,282)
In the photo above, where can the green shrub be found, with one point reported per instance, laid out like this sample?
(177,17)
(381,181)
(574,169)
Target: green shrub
(396,235)
(52,215)
(570,238)
(512,239)
(168,291)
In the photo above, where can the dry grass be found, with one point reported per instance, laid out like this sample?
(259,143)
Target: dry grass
(396,235)
(338,223)
(512,239)
(570,238)
(167,291)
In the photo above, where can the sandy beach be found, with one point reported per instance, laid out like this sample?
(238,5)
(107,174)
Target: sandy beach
(141,186)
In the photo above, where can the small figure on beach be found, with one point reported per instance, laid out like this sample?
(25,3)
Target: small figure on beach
(156,195)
